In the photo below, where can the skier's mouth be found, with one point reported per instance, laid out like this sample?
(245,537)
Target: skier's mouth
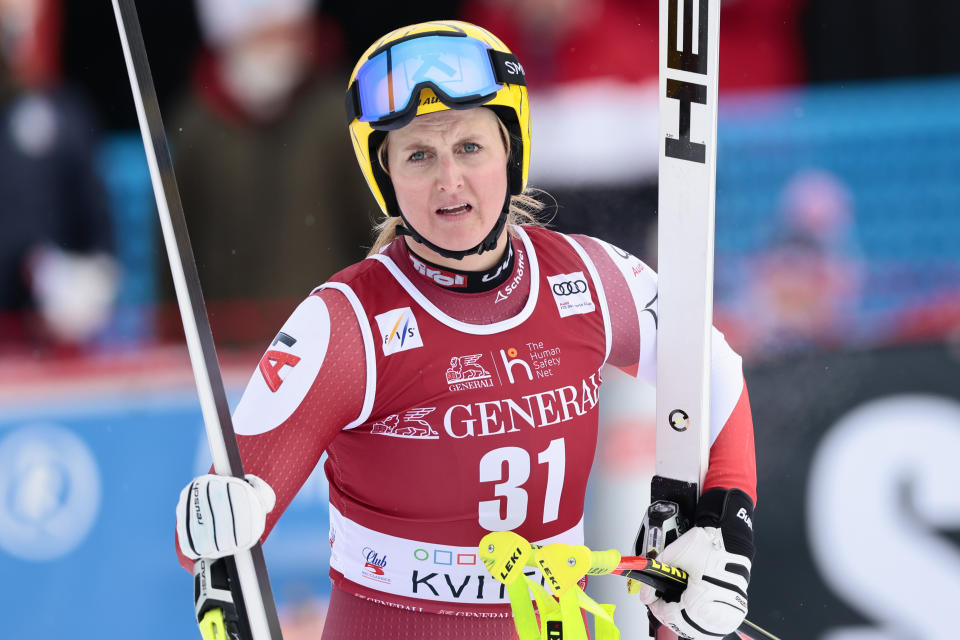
(455,210)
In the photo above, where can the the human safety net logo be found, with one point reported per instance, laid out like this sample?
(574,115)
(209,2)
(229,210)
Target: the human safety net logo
(398,331)
(571,293)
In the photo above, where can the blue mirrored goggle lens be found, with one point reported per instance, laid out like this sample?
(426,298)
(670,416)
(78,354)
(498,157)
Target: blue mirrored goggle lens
(459,67)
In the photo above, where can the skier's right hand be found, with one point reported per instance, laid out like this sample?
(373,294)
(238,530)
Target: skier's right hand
(717,553)
(220,515)
(714,603)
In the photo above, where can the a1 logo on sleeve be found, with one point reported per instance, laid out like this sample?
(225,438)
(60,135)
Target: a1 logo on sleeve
(398,331)
(286,371)
(571,293)
(274,360)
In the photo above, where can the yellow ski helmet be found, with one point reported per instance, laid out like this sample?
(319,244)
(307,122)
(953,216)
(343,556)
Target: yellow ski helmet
(429,67)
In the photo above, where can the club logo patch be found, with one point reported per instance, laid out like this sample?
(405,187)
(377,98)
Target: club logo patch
(571,293)
(374,566)
(398,331)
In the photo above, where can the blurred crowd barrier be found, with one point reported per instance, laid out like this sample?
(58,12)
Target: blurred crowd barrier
(93,455)
(837,213)
(838,278)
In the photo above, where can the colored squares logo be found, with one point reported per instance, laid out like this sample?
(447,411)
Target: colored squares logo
(446,557)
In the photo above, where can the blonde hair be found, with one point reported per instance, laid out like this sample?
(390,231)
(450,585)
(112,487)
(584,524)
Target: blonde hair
(524,208)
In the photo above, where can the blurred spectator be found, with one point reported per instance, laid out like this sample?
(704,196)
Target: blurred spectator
(593,66)
(56,245)
(761,44)
(364,22)
(804,289)
(564,41)
(90,56)
(594,96)
(259,146)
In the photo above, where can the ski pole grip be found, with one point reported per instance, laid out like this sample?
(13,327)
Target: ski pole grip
(668,581)
(603,562)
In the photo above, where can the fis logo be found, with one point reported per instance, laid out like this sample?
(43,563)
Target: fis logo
(398,331)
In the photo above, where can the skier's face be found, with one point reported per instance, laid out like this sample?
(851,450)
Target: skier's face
(449,172)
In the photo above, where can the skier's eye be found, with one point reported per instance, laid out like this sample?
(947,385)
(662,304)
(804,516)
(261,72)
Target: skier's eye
(417,156)
(471,147)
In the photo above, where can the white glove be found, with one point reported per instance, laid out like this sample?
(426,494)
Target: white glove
(714,603)
(220,515)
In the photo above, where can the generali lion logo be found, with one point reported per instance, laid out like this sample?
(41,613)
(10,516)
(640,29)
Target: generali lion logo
(407,424)
(466,372)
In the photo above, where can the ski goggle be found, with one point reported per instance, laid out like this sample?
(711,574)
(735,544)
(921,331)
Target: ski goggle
(462,71)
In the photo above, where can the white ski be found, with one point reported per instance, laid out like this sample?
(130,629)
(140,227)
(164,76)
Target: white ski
(689,48)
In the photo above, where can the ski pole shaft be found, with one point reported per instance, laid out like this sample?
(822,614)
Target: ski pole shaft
(247,569)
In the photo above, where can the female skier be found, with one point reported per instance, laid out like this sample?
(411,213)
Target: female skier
(452,376)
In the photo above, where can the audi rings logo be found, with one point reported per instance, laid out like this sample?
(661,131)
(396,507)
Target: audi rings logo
(569,287)
(571,293)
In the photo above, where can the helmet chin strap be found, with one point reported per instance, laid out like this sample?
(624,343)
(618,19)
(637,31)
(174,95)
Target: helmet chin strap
(489,242)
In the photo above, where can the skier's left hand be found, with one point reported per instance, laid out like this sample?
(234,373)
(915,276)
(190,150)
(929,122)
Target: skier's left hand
(718,555)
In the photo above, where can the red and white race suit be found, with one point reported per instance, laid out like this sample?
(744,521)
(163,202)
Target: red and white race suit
(446,415)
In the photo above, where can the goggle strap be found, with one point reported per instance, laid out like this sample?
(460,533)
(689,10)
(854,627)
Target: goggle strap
(352,102)
(506,68)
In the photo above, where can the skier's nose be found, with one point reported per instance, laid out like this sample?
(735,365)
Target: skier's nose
(449,174)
